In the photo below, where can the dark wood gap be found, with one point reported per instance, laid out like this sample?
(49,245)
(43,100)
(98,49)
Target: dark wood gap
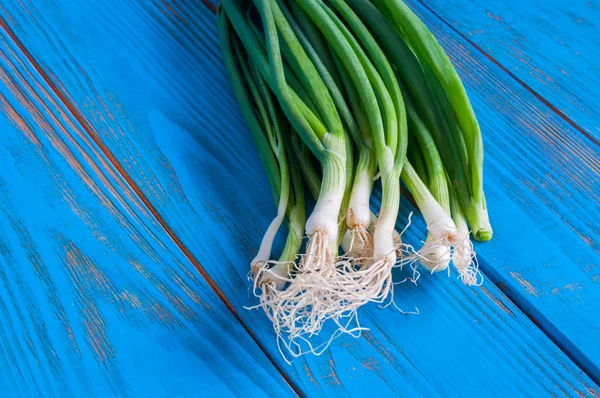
(87,127)
(210,6)
(553,333)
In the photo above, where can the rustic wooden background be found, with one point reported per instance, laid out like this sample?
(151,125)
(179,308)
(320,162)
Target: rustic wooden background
(132,200)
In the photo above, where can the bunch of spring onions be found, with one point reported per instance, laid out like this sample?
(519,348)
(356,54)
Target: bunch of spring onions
(336,94)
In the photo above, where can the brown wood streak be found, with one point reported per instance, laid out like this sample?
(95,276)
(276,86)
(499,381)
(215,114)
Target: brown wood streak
(83,273)
(528,286)
(105,151)
(332,374)
(22,126)
(62,148)
(12,115)
(210,6)
(554,109)
(71,159)
(378,346)
(21,96)
(86,276)
(39,328)
(389,357)
(310,376)
(168,10)
(66,125)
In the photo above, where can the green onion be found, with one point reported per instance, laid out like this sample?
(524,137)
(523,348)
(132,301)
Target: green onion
(332,93)
(266,127)
(439,122)
(431,54)
(435,255)
(464,258)
(313,44)
(304,306)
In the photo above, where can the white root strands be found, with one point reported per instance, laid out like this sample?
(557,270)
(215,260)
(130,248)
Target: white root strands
(435,256)
(325,288)
(358,244)
(322,288)
(464,259)
(376,273)
(358,217)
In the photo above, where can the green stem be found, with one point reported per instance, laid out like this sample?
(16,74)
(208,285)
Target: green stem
(362,40)
(305,160)
(297,214)
(425,145)
(415,157)
(273,73)
(241,92)
(332,150)
(431,54)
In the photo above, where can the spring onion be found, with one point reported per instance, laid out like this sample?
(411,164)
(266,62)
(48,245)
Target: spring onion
(431,54)
(335,94)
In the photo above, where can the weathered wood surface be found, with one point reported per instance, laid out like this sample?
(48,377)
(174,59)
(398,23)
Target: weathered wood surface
(551,46)
(95,299)
(149,82)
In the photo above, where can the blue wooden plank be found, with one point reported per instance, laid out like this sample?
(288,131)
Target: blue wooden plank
(95,299)
(157,96)
(552,46)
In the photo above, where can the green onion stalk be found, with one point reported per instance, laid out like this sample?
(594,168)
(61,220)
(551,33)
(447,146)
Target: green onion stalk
(454,242)
(450,93)
(322,132)
(380,97)
(464,257)
(435,255)
(391,143)
(268,129)
(426,122)
(319,286)
(357,211)
(348,244)
(359,216)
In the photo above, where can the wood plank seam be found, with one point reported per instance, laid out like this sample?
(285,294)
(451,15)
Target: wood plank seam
(210,6)
(554,334)
(571,351)
(553,108)
(86,126)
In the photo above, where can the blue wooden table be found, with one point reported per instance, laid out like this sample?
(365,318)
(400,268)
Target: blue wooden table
(127,227)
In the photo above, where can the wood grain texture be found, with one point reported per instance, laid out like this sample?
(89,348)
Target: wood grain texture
(149,79)
(95,300)
(551,46)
